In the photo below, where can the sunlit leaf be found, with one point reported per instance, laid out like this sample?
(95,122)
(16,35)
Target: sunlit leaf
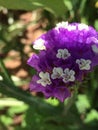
(82,103)
(57,7)
(6,120)
(91,116)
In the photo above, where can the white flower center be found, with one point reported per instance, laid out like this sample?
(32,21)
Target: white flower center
(45,79)
(39,44)
(57,72)
(63,54)
(68,75)
(83,64)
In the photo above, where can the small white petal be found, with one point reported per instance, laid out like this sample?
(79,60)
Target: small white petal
(63,54)
(44,79)
(39,44)
(68,75)
(61,25)
(95,48)
(57,72)
(83,64)
(83,26)
(65,25)
(71,27)
(66,70)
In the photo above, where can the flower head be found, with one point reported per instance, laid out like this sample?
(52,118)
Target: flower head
(67,52)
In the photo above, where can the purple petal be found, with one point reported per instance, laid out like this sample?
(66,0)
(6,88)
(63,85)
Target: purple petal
(33,61)
(34,86)
(61,93)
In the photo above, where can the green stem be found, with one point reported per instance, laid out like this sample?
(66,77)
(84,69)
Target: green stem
(8,88)
(5,72)
(70,101)
(19,94)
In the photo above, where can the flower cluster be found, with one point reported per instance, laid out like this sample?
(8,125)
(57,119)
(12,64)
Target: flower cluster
(67,53)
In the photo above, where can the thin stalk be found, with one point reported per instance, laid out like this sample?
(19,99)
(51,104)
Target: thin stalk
(5,72)
(70,101)
(19,94)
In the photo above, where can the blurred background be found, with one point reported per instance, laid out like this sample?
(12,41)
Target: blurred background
(21,22)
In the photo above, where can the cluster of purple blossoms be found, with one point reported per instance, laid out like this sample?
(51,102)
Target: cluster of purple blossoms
(67,53)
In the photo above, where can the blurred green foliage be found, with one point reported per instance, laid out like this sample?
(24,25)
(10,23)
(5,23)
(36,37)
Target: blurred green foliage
(34,112)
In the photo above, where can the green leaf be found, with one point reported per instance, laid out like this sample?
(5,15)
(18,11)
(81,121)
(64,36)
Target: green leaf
(82,103)
(91,116)
(6,120)
(57,7)
(15,110)
(68,4)
(53,102)
(8,102)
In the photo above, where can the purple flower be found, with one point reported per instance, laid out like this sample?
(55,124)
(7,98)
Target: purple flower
(67,53)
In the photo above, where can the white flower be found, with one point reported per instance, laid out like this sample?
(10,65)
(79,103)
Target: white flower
(71,27)
(82,26)
(95,48)
(57,72)
(66,26)
(63,54)
(45,79)
(68,75)
(39,44)
(61,25)
(83,64)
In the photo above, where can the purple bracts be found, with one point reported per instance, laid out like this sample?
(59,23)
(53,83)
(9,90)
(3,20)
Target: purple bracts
(67,53)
